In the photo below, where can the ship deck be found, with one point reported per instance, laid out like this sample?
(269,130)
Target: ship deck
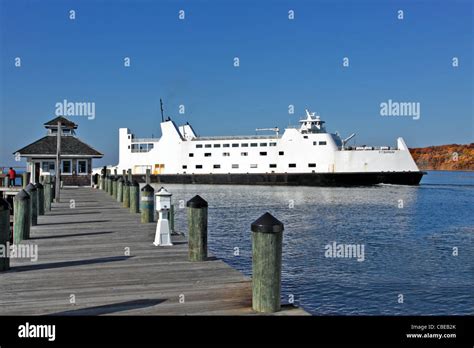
(238,137)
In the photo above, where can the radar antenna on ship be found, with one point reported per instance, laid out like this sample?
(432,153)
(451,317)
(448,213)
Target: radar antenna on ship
(310,114)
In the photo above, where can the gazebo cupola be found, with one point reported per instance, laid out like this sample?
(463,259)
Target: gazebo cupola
(67,127)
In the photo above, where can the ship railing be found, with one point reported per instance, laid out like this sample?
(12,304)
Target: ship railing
(145,140)
(140,150)
(237,137)
(368,148)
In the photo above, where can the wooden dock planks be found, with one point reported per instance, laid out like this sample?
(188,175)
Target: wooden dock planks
(93,251)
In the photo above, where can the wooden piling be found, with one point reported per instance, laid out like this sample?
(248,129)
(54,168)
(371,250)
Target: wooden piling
(40,195)
(47,193)
(147,176)
(53,188)
(102,178)
(147,204)
(31,189)
(197,228)
(126,194)
(129,175)
(114,186)
(119,190)
(4,232)
(25,179)
(171,218)
(107,176)
(267,236)
(134,197)
(22,216)
(111,186)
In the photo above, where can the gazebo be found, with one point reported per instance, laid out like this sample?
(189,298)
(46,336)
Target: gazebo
(75,155)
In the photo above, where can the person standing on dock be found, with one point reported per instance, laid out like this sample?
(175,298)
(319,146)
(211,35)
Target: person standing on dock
(11,177)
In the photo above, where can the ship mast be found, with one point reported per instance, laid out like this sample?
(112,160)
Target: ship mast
(161,108)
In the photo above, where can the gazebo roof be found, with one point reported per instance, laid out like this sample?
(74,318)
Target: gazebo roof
(65,123)
(70,146)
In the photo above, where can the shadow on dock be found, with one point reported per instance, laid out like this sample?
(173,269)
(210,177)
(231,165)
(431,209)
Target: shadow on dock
(75,222)
(68,263)
(72,235)
(112,308)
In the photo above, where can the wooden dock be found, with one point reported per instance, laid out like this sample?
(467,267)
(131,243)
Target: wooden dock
(98,259)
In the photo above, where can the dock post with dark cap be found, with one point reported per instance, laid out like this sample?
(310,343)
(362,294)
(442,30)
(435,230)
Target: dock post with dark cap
(119,189)
(106,180)
(21,218)
(134,197)
(126,194)
(267,236)
(111,188)
(102,178)
(31,190)
(171,218)
(129,175)
(47,193)
(107,183)
(147,204)
(147,176)
(39,201)
(114,187)
(40,195)
(4,232)
(53,188)
(197,228)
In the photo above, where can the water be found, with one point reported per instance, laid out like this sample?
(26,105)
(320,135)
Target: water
(408,234)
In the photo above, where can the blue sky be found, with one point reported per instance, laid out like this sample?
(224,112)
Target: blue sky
(282,62)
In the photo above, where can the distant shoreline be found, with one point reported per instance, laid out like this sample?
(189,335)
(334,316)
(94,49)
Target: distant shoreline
(452,157)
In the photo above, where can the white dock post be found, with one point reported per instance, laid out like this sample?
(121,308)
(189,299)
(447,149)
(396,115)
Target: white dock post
(163,204)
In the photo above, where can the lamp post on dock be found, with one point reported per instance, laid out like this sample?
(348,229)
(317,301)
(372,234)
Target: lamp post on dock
(163,204)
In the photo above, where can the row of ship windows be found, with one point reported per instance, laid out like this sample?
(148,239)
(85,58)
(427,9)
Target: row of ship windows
(227,154)
(200,146)
(236,166)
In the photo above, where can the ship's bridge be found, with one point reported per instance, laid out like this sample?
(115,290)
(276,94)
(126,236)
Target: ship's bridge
(312,123)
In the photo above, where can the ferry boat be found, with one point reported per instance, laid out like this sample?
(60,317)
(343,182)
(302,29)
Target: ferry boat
(305,155)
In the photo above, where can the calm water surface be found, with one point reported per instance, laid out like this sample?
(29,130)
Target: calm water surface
(408,234)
